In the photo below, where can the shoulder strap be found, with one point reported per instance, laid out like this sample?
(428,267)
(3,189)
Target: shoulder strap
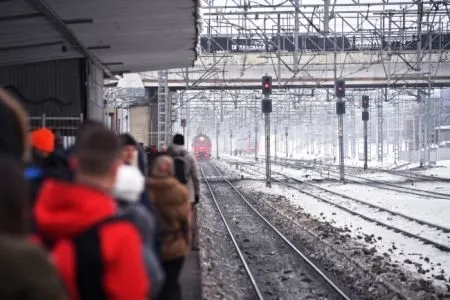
(88,261)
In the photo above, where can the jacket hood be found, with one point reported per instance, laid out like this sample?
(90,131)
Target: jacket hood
(129,184)
(64,209)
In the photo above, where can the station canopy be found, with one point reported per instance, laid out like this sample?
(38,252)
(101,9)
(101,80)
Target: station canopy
(119,36)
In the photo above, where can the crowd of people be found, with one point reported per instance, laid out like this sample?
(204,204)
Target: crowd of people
(105,219)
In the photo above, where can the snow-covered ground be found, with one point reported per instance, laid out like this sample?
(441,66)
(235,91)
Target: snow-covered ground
(442,169)
(425,260)
(403,250)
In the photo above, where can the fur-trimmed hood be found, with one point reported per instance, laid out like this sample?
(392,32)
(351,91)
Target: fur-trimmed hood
(129,184)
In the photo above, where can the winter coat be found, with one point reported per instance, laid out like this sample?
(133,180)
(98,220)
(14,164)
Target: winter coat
(171,200)
(13,128)
(65,210)
(193,184)
(53,166)
(26,272)
(129,185)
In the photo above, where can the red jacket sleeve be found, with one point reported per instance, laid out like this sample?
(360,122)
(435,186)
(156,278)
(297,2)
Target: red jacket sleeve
(125,276)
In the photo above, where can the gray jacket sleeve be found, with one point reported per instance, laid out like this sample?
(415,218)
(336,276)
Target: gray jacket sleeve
(146,224)
(154,270)
(195,174)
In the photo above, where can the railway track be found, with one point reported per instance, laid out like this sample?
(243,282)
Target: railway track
(276,268)
(402,173)
(381,184)
(336,199)
(311,165)
(394,187)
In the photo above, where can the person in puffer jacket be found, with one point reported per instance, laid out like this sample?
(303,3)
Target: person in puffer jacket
(172,201)
(127,190)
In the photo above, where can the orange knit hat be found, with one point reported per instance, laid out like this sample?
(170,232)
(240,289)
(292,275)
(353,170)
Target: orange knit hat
(43,140)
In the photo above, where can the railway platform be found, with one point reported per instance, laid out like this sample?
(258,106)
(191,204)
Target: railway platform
(190,279)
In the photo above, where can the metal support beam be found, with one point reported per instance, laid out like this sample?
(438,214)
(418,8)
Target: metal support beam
(353,131)
(341,145)
(296,33)
(380,140)
(68,35)
(267,133)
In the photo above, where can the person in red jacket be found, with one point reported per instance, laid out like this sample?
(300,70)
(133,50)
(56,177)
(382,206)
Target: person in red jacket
(98,255)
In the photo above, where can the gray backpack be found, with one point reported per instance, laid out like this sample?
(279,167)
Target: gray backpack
(181,168)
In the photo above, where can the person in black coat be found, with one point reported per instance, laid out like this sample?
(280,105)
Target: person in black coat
(131,151)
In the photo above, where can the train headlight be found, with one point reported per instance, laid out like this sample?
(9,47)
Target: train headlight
(202,138)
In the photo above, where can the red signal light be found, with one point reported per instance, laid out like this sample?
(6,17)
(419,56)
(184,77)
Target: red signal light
(267,85)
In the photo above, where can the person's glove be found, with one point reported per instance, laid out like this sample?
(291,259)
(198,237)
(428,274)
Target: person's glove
(197,199)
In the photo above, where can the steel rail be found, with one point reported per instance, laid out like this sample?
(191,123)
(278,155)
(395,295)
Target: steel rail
(236,246)
(438,245)
(394,187)
(295,249)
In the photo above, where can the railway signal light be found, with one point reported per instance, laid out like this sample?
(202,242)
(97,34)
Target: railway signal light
(365,101)
(365,116)
(339,86)
(183,122)
(267,85)
(266,106)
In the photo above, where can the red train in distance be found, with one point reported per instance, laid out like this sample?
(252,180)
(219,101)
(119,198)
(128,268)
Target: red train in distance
(201,147)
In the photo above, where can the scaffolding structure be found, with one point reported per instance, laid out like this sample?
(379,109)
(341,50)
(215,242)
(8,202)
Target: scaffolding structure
(163,109)
(396,52)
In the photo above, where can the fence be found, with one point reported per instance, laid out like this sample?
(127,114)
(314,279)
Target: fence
(66,127)
(435,155)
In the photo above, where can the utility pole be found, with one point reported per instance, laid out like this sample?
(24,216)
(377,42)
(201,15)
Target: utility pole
(256,133)
(365,118)
(266,105)
(231,142)
(183,124)
(276,135)
(286,137)
(217,140)
(340,111)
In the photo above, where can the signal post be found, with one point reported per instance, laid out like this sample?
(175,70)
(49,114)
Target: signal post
(183,124)
(339,86)
(231,142)
(365,118)
(266,105)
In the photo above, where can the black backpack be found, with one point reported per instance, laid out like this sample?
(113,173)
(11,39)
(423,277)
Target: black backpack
(181,168)
(88,259)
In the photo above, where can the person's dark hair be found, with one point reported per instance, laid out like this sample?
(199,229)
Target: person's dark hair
(127,140)
(97,149)
(178,139)
(88,125)
(14,197)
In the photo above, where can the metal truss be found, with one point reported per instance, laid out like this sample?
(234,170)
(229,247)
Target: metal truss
(311,44)
(396,52)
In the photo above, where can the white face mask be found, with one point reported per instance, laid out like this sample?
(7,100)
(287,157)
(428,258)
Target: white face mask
(129,183)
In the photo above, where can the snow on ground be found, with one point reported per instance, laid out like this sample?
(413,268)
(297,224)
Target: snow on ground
(403,250)
(418,256)
(432,210)
(428,209)
(442,169)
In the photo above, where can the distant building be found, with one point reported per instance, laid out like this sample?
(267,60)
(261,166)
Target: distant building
(140,125)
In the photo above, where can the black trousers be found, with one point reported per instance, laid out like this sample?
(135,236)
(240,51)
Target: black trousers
(194,245)
(171,289)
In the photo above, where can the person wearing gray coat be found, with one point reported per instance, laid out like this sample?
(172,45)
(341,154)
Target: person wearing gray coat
(193,179)
(129,185)
(193,184)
